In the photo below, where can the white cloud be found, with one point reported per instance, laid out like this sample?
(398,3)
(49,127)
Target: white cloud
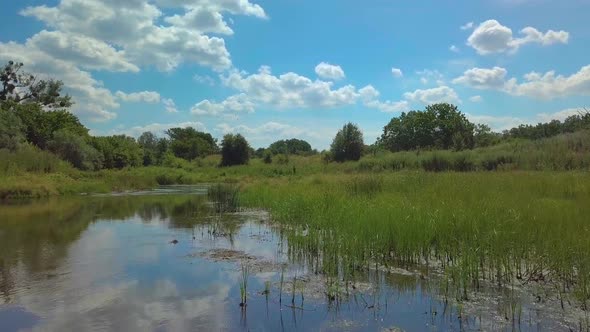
(158,128)
(467,26)
(396,72)
(476,99)
(233,104)
(202,20)
(150,97)
(441,94)
(289,90)
(492,37)
(86,52)
(454,49)
(428,75)
(536,85)
(169,105)
(134,27)
(92,100)
(330,72)
(500,123)
(370,95)
(550,85)
(483,78)
(561,115)
(204,79)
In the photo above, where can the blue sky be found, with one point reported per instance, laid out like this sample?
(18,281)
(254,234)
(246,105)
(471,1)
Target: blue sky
(282,69)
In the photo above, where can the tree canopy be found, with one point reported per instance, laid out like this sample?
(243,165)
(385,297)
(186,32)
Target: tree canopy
(439,126)
(22,87)
(290,146)
(188,143)
(235,150)
(347,144)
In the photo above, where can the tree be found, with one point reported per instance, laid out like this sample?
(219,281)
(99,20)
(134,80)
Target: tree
(21,87)
(39,125)
(484,136)
(234,150)
(439,126)
(290,146)
(347,144)
(74,149)
(188,143)
(149,143)
(11,130)
(119,151)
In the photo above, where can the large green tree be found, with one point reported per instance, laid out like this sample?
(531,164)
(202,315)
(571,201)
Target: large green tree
(74,149)
(439,126)
(39,124)
(290,146)
(347,144)
(188,143)
(235,150)
(118,151)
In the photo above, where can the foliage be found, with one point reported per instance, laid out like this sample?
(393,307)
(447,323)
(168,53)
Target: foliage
(234,150)
(267,158)
(290,146)
(11,130)
(348,143)
(20,87)
(118,151)
(571,124)
(39,125)
(439,126)
(188,143)
(74,149)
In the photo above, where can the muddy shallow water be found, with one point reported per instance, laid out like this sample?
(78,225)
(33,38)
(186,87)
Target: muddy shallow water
(165,261)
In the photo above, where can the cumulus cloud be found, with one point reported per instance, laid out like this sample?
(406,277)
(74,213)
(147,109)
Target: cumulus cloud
(158,128)
(134,27)
(169,105)
(500,123)
(454,49)
(289,90)
(329,72)
(396,72)
(483,78)
(92,101)
(536,85)
(428,75)
(476,99)
(370,95)
(150,97)
(230,106)
(86,52)
(492,37)
(441,94)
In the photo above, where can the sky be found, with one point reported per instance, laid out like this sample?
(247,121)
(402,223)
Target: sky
(300,68)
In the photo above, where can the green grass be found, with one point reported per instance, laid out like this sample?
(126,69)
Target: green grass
(500,226)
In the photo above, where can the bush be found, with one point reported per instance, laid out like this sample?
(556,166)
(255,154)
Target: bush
(72,148)
(348,143)
(267,158)
(235,150)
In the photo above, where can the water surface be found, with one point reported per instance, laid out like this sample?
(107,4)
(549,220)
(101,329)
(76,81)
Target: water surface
(164,260)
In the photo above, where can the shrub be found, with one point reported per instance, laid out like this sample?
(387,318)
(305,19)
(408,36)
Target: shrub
(235,150)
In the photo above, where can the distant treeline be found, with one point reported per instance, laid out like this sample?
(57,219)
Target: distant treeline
(33,115)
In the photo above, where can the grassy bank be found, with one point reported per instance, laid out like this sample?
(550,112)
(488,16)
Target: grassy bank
(502,227)
(34,173)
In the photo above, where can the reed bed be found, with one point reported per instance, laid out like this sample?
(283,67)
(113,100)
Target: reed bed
(499,227)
